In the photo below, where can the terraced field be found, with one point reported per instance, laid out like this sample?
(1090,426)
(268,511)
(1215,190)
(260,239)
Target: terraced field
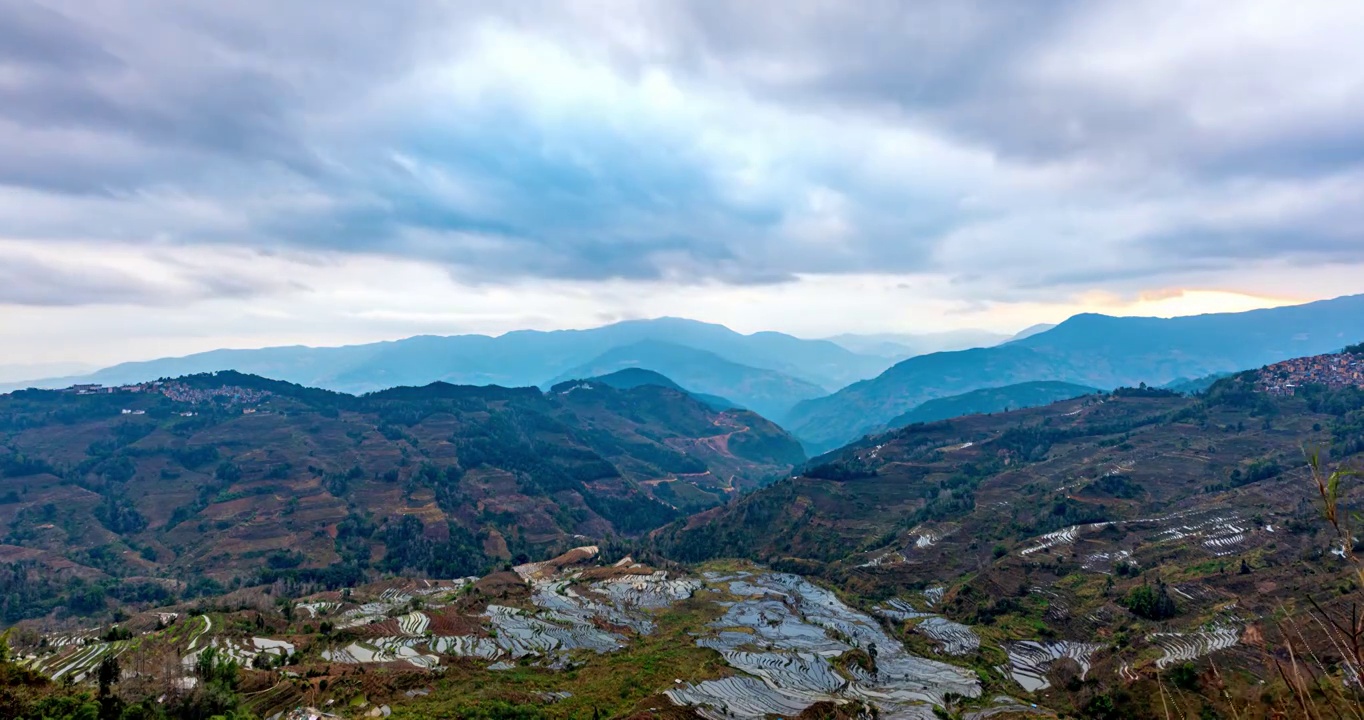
(955,638)
(785,633)
(382,650)
(1182,647)
(764,643)
(1029,661)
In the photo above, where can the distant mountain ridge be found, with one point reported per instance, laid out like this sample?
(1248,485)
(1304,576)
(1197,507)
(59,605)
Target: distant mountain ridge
(768,392)
(786,378)
(17,373)
(905,345)
(1092,350)
(1031,330)
(520,358)
(634,377)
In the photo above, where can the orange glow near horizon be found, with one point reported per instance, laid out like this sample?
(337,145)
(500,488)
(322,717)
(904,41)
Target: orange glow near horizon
(1177,302)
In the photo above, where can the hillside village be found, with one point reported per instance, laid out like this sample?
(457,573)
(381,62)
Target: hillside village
(1335,371)
(178,392)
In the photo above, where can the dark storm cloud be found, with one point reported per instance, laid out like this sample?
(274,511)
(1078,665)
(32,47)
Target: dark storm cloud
(538,140)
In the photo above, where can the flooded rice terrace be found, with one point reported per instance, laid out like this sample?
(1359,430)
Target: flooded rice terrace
(789,643)
(786,634)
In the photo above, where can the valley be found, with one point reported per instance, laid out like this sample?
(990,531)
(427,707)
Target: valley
(681,360)
(620,547)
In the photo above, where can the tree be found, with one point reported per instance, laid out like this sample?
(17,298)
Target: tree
(1152,603)
(110,705)
(1184,676)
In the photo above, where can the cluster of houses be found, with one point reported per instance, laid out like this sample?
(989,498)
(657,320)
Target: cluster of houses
(1335,371)
(178,392)
(232,394)
(97,389)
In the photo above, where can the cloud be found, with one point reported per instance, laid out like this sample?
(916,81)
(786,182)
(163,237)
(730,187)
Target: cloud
(1017,152)
(25,281)
(80,275)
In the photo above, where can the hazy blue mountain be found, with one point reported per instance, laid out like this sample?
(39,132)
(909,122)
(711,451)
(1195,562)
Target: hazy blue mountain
(27,371)
(992,400)
(1031,330)
(905,345)
(521,358)
(1091,350)
(634,377)
(767,392)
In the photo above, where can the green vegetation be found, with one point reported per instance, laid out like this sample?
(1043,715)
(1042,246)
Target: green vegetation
(28,695)
(154,492)
(411,551)
(1152,603)
(1142,391)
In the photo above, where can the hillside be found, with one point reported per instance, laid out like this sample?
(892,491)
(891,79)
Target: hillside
(1092,350)
(217,475)
(992,400)
(825,423)
(1130,453)
(516,359)
(1049,530)
(1139,554)
(634,377)
(770,393)
(591,633)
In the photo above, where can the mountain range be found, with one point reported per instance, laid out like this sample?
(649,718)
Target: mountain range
(823,392)
(905,345)
(214,472)
(642,550)
(765,370)
(18,373)
(1091,350)
(767,392)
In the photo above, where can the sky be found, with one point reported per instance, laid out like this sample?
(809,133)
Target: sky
(177,177)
